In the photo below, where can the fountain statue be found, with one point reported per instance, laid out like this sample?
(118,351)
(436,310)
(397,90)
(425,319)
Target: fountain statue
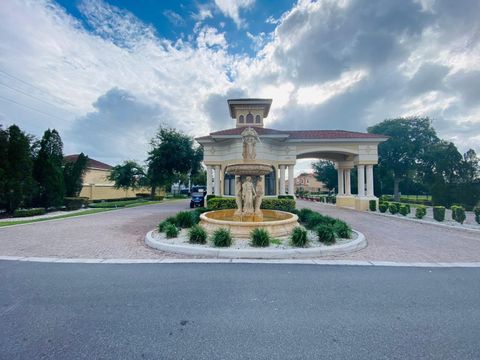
(249,193)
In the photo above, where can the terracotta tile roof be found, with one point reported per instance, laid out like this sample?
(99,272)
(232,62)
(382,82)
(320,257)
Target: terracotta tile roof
(299,134)
(92,163)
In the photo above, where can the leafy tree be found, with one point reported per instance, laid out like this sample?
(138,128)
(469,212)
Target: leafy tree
(48,170)
(409,140)
(3,165)
(18,184)
(172,156)
(73,172)
(129,175)
(200,178)
(324,171)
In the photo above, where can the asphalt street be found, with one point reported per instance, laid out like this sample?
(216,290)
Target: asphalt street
(237,311)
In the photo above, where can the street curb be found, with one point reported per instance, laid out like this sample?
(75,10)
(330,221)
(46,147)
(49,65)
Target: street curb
(241,261)
(359,243)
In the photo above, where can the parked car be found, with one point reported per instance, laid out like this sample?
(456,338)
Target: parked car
(198,200)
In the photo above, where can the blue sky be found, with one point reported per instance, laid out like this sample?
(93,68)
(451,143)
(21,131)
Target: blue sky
(106,73)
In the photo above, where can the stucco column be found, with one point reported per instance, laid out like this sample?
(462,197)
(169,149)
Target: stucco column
(209,179)
(340,181)
(370,181)
(361,180)
(290,180)
(217,180)
(282,179)
(348,185)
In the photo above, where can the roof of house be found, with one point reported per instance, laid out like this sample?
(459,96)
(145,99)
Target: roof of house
(92,163)
(298,134)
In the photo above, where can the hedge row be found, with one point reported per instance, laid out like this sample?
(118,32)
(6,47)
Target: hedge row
(28,212)
(220,203)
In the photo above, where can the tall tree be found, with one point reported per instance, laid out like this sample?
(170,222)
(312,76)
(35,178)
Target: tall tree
(73,173)
(409,140)
(324,171)
(48,170)
(172,155)
(18,183)
(129,175)
(3,166)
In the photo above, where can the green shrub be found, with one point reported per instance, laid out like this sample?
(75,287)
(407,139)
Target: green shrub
(157,197)
(315,219)
(277,204)
(477,214)
(420,212)
(372,205)
(75,203)
(299,237)
(458,214)
(210,196)
(184,219)
(326,234)
(222,238)
(196,214)
(286,197)
(163,224)
(392,207)
(397,204)
(342,229)
(383,207)
(404,210)
(197,235)
(171,231)
(439,213)
(28,212)
(304,213)
(221,203)
(259,238)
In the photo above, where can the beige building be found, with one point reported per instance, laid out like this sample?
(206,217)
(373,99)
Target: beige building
(282,148)
(96,186)
(308,183)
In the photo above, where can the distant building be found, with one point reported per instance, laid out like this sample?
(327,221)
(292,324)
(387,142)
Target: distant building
(96,186)
(308,183)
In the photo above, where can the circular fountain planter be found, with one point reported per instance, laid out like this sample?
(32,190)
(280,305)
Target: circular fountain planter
(277,223)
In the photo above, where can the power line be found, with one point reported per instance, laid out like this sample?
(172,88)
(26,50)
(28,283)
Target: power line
(30,84)
(31,108)
(27,94)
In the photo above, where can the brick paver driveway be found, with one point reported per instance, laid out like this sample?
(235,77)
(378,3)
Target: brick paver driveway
(120,234)
(392,239)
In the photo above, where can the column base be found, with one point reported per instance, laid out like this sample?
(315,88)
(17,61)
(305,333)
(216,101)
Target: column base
(346,201)
(362,203)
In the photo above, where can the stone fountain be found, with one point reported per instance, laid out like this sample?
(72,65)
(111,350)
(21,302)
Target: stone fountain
(248,197)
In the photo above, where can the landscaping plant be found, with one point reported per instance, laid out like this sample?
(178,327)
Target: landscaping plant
(458,214)
(372,204)
(392,207)
(326,234)
(404,209)
(342,229)
(171,231)
(197,235)
(303,214)
(28,212)
(420,212)
(439,213)
(299,237)
(184,219)
(383,207)
(259,238)
(477,214)
(222,238)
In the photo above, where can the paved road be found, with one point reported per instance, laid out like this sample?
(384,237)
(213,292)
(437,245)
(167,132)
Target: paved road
(237,311)
(112,234)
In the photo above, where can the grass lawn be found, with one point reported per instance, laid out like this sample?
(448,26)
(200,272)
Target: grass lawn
(122,203)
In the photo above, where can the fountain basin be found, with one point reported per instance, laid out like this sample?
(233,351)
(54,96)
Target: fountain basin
(277,223)
(251,169)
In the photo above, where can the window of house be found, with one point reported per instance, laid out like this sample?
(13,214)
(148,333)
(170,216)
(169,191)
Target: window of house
(241,119)
(257,119)
(249,118)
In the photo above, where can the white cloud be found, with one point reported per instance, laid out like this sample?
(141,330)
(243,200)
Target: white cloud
(231,9)
(210,37)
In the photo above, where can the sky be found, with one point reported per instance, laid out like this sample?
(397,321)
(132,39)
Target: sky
(107,74)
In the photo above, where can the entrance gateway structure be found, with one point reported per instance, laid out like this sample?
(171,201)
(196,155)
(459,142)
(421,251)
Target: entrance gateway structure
(281,149)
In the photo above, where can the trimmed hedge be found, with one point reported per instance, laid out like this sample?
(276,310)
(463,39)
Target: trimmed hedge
(286,197)
(420,212)
(29,212)
(439,213)
(299,237)
(221,203)
(383,207)
(404,209)
(477,214)
(392,207)
(75,203)
(458,213)
(259,238)
(372,205)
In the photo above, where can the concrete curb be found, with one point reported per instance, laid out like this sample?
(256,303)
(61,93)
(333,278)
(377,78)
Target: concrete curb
(242,261)
(359,243)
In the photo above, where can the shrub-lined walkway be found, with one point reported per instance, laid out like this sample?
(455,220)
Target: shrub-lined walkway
(120,234)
